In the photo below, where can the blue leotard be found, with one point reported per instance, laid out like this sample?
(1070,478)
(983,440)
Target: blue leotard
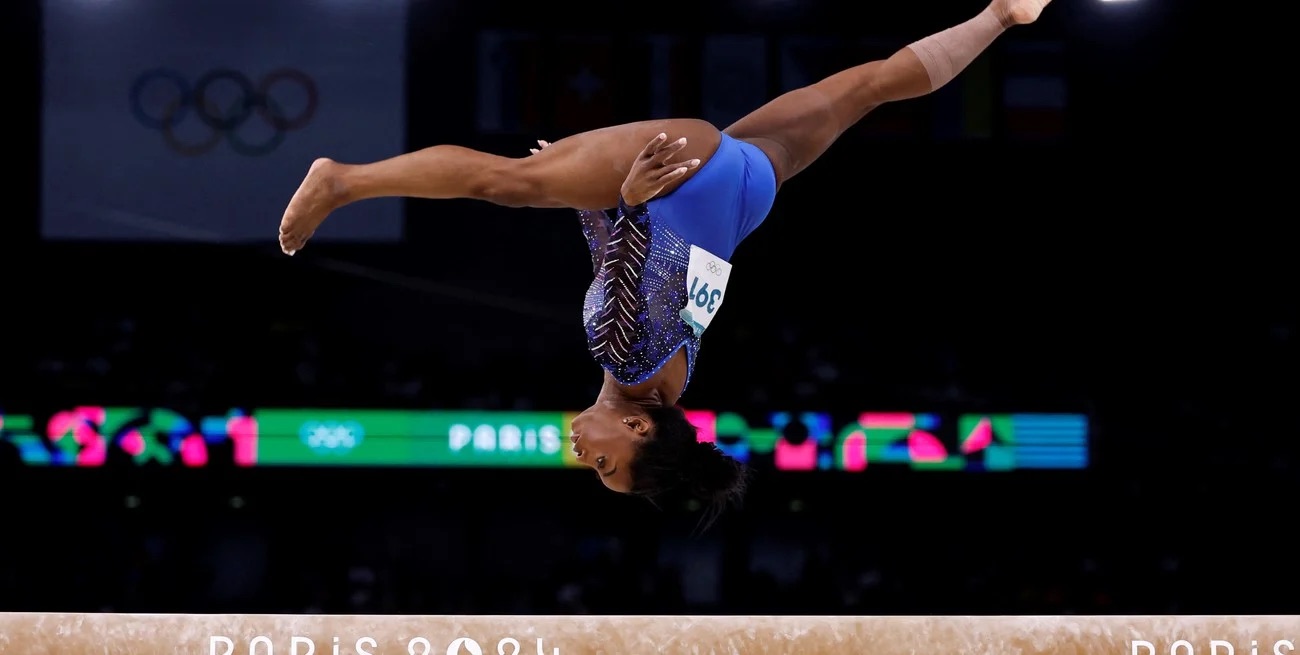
(661,268)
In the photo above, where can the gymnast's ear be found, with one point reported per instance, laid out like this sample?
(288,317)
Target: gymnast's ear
(638,424)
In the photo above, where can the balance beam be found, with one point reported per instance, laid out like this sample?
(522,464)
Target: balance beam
(239,634)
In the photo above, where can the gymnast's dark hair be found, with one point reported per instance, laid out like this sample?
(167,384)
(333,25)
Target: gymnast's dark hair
(671,464)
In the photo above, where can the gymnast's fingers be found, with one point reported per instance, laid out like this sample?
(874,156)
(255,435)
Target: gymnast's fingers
(665,152)
(650,148)
(534,150)
(674,174)
(684,167)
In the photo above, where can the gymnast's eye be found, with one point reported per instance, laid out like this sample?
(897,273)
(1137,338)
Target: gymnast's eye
(600,462)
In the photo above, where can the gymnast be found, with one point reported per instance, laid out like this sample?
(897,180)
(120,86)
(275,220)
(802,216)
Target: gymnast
(680,196)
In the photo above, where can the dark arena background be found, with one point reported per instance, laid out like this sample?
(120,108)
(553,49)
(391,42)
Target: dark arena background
(1008,349)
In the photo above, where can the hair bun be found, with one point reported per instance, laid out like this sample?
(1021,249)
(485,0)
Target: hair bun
(673,461)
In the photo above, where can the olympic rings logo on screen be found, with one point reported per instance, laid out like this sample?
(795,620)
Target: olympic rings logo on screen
(163,100)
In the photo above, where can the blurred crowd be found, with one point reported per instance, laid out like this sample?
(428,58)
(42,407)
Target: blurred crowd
(1184,378)
(262,555)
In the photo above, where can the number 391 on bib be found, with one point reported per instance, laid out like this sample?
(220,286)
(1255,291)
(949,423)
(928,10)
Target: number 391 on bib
(706,288)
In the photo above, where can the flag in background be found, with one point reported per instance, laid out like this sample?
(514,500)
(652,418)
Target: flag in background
(668,77)
(510,83)
(963,109)
(528,86)
(734,77)
(582,68)
(1034,91)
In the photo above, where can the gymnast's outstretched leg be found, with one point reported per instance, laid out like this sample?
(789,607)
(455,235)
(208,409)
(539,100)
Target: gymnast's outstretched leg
(583,171)
(796,128)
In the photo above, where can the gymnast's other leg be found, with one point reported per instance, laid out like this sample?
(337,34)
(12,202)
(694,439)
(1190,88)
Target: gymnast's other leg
(797,127)
(584,171)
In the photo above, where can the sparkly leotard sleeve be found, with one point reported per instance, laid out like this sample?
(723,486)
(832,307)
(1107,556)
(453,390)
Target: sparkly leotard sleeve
(632,309)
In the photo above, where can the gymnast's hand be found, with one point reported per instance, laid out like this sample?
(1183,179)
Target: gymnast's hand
(652,170)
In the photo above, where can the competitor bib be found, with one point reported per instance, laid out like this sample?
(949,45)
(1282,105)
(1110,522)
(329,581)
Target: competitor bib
(706,288)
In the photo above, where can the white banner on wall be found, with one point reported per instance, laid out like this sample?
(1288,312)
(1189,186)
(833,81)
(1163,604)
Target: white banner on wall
(196,120)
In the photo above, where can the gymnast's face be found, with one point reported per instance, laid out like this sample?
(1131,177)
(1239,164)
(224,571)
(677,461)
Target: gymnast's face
(605,437)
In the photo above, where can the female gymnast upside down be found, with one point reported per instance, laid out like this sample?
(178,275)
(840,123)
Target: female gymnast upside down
(685,195)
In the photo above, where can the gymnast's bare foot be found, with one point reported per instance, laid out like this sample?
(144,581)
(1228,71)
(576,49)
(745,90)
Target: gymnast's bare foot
(320,193)
(1019,12)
